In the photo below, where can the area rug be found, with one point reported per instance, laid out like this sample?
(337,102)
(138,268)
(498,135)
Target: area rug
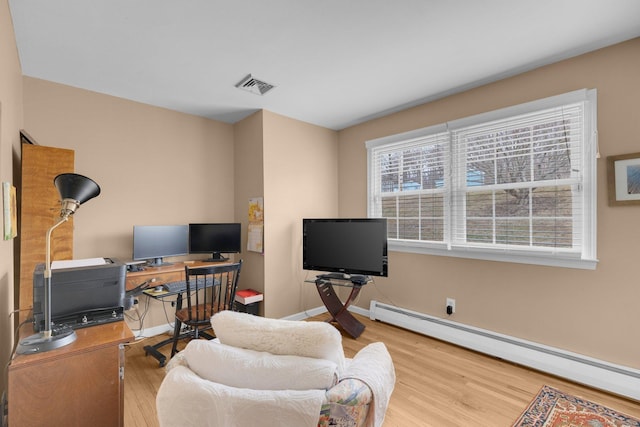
(553,408)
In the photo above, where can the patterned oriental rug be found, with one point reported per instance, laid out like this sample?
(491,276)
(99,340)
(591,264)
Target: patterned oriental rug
(553,408)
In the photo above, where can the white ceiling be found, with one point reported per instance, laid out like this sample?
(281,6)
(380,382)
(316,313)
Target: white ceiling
(334,63)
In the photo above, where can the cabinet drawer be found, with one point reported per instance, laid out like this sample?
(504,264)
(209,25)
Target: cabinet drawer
(166,277)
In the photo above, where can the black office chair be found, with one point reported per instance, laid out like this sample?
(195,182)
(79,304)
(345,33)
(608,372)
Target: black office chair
(210,289)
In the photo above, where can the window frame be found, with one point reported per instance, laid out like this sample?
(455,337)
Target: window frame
(586,258)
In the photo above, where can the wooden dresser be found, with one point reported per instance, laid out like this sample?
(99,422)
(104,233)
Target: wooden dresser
(78,384)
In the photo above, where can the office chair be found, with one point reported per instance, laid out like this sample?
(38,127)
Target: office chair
(209,290)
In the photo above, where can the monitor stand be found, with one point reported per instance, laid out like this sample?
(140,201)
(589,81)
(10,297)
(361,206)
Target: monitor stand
(216,257)
(158,262)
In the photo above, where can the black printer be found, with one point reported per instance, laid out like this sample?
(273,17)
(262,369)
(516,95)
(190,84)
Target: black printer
(81,296)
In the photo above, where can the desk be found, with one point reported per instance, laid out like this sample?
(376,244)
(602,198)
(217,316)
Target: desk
(79,384)
(154,350)
(163,274)
(337,308)
(159,276)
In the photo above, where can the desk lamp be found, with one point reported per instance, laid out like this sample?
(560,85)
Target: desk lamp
(74,190)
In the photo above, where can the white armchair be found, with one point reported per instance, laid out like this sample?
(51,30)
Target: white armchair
(263,371)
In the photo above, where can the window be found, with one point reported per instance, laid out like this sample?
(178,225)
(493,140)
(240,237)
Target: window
(517,184)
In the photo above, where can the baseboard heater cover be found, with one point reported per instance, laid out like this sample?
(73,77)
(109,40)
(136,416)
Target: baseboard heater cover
(582,369)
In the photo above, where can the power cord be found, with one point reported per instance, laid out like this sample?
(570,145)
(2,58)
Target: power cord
(5,410)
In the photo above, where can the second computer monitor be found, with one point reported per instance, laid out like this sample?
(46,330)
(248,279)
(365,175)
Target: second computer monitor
(215,238)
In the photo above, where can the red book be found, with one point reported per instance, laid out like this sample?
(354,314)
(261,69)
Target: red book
(248,296)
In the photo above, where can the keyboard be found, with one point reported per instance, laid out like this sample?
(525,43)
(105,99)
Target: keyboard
(181,286)
(175,286)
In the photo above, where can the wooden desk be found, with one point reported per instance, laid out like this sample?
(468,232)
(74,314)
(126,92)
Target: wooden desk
(78,384)
(163,274)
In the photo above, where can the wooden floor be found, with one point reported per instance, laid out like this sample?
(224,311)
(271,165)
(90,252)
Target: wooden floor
(438,384)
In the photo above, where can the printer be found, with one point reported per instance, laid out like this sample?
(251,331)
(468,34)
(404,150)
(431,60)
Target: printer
(81,296)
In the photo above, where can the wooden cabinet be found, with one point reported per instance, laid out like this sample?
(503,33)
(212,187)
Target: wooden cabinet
(79,384)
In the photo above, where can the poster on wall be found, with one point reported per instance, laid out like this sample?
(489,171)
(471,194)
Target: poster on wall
(9,211)
(256,225)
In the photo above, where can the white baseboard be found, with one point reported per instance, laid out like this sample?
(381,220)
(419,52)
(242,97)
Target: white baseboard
(306,314)
(161,329)
(582,369)
(152,332)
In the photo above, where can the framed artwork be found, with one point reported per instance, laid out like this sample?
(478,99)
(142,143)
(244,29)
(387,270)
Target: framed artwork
(623,176)
(256,225)
(9,211)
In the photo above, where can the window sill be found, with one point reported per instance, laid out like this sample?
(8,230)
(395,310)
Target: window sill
(520,257)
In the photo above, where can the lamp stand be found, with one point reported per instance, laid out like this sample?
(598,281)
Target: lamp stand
(45,340)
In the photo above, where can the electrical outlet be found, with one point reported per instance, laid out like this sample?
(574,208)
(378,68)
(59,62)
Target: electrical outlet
(451,303)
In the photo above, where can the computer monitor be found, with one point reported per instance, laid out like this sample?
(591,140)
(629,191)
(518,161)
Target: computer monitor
(216,239)
(154,242)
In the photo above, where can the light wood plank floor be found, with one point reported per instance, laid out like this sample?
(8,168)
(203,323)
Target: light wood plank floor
(438,384)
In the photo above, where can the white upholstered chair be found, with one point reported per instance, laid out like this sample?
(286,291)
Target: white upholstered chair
(263,371)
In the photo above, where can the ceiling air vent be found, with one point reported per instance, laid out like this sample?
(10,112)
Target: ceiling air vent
(254,85)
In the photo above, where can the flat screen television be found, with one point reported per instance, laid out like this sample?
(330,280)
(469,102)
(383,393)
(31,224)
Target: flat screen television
(350,246)
(155,242)
(216,239)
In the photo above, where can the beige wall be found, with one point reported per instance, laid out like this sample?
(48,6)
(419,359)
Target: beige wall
(249,183)
(10,125)
(300,180)
(154,167)
(293,166)
(589,312)
(163,167)
(149,160)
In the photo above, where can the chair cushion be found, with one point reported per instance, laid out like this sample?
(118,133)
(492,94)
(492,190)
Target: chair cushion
(319,340)
(184,399)
(198,313)
(242,368)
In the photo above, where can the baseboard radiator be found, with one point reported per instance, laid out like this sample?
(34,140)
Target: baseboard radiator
(618,379)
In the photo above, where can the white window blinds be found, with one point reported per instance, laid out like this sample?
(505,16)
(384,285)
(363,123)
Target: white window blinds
(516,184)
(409,188)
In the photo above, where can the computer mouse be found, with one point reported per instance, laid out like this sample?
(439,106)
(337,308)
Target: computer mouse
(159,289)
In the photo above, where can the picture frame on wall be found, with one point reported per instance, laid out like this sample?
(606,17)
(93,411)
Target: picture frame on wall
(9,211)
(623,176)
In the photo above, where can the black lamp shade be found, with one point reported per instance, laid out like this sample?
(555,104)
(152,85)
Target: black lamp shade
(76,187)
